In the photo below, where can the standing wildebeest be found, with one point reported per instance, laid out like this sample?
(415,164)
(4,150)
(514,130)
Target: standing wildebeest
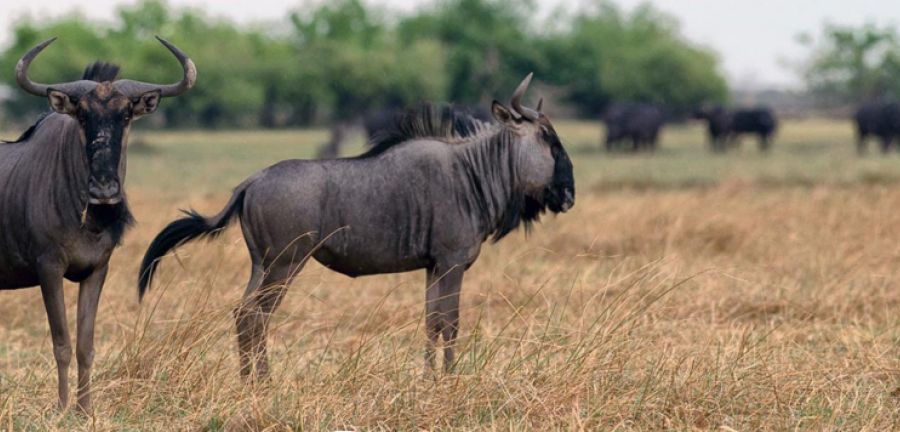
(881,119)
(725,126)
(64,209)
(637,123)
(425,196)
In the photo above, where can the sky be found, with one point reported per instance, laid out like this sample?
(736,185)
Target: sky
(755,39)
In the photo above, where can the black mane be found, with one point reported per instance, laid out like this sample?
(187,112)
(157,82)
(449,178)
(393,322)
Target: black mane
(425,121)
(97,71)
(30,131)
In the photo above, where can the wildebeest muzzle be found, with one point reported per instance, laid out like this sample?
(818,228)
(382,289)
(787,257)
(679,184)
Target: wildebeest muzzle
(104,186)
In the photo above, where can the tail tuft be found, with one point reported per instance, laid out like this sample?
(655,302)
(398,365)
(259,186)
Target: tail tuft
(191,227)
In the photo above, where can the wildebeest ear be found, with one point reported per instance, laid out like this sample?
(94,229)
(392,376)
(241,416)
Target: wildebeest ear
(61,102)
(146,103)
(502,114)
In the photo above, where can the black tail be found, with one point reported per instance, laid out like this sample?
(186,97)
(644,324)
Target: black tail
(183,230)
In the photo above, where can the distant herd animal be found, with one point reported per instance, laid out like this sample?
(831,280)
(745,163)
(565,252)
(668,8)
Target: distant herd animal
(633,127)
(726,126)
(880,119)
(636,127)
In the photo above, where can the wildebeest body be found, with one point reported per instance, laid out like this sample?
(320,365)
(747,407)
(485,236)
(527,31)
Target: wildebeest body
(725,126)
(637,124)
(881,119)
(403,235)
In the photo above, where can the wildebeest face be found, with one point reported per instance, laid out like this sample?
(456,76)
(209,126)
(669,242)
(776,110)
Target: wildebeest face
(105,110)
(105,115)
(543,166)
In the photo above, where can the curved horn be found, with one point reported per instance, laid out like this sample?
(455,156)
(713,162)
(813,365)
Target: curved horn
(22,70)
(136,88)
(540,104)
(516,101)
(73,89)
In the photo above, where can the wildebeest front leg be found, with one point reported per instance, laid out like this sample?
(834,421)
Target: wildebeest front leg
(88,301)
(450,288)
(885,144)
(442,313)
(54,301)
(432,318)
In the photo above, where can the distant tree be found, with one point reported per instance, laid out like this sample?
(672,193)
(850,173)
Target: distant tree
(336,60)
(603,55)
(849,64)
(360,64)
(486,43)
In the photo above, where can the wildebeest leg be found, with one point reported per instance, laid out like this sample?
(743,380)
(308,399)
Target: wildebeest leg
(264,293)
(764,143)
(442,313)
(432,318)
(885,144)
(860,143)
(88,300)
(54,301)
(450,285)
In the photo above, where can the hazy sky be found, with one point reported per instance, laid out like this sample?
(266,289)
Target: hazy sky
(756,39)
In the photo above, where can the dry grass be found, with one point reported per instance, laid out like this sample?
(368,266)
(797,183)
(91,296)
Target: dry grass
(747,304)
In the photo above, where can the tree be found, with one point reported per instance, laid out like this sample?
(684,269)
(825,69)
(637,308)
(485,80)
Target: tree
(485,43)
(853,63)
(341,59)
(606,55)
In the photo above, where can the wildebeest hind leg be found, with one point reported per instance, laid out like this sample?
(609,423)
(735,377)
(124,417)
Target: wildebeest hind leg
(54,302)
(263,295)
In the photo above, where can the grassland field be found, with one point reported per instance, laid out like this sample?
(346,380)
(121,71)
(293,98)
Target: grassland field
(684,291)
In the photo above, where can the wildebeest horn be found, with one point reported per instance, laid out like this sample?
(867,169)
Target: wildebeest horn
(73,89)
(136,88)
(516,101)
(540,104)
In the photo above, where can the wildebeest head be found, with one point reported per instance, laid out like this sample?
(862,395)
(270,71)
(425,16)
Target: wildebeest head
(105,109)
(543,166)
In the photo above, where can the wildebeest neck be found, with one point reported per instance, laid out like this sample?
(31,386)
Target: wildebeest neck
(52,172)
(490,186)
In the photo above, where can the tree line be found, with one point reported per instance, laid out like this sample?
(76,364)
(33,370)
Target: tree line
(850,64)
(336,60)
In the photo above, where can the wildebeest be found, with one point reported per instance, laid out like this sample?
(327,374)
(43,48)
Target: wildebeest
(64,207)
(881,119)
(426,196)
(725,126)
(635,124)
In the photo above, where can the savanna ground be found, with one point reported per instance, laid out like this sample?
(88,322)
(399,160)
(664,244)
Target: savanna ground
(684,291)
